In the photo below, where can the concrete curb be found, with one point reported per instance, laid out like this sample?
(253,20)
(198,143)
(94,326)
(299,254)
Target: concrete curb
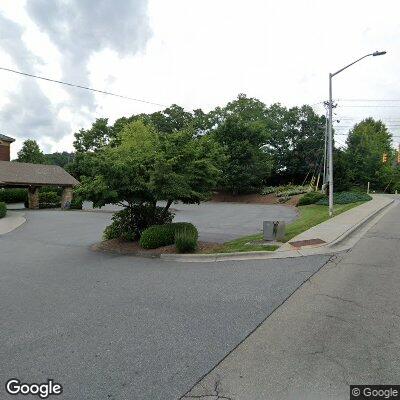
(358,226)
(327,248)
(11,221)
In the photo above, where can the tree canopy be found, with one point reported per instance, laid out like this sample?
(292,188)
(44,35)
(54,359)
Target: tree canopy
(31,153)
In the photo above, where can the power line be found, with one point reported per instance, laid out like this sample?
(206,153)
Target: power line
(367,100)
(81,87)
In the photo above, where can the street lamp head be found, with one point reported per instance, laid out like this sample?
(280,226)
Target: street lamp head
(378,53)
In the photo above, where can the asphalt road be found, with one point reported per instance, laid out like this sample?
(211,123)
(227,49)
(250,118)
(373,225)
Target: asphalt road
(341,328)
(221,222)
(121,327)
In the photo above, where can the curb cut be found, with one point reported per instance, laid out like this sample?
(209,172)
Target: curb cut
(327,248)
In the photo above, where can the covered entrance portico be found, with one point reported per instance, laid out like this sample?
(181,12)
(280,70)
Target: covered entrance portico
(34,176)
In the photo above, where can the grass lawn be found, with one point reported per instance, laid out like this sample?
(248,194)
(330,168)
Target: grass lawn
(310,216)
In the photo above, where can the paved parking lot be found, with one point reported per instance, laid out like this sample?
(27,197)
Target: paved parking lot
(221,222)
(121,327)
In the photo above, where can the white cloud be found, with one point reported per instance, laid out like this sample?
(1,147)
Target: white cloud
(202,53)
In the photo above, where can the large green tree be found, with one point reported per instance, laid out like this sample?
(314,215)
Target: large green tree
(366,144)
(31,153)
(295,141)
(148,166)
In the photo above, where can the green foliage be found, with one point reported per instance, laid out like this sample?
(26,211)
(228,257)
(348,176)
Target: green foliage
(3,209)
(98,136)
(31,153)
(76,204)
(286,190)
(242,134)
(164,235)
(147,167)
(186,240)
(129,223)
(310,198)
(60,159)
(295,141)
(49,200)
(366,143)
(13,195)
(346,198)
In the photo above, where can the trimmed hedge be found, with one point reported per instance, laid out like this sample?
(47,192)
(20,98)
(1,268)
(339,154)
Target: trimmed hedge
(310,198)
(346,198)
(3,209)
(164,235)
(186,240)
(49,200)
(13,195)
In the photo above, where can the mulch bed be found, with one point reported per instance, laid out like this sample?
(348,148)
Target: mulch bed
(253,199)
(119,246)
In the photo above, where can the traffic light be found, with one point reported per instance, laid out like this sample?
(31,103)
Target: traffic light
(384,157)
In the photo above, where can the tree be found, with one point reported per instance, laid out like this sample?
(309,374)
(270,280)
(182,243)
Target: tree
(247,165)
(31,153)
(240,129)
(60,159)
(366,144)
(99,135)
(295,141)
(147,167)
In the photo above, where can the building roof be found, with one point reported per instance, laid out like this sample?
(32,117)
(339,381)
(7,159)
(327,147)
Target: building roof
(5,138)
(24,174)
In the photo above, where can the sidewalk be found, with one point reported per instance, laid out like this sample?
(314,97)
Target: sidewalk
(332,230)
(341,327)
(11,221)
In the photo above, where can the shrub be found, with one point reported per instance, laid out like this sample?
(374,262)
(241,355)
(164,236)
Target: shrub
(129,223)
(186,240)
(310,198)
(163,235)
(285,191)
(13,195)
(49,200)
(3,209)
(76,204)
(346,198)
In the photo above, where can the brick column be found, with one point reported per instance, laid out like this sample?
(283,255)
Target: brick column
(33,197)
(66,197)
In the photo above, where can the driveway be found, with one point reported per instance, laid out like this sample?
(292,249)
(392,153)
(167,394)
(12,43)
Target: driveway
(122,327)
(221,222)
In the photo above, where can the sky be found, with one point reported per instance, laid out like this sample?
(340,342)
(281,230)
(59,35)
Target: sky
(194,53)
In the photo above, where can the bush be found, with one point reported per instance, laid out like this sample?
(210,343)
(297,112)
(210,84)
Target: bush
(310,198)
(129,223)
(186,240)
(164,235)
(3,209)
(13,195)
(285,191)
(49,200)
(76,204)
(346,198)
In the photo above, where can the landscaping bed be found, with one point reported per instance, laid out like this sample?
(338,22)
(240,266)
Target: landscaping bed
(120,246)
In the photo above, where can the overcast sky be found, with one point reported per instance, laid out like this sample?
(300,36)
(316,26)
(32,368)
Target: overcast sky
(195,53)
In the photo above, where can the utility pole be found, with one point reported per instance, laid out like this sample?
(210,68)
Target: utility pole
(330,148)
(330,139)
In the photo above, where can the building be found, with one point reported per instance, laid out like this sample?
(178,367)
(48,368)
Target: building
(33,176)
(5,143)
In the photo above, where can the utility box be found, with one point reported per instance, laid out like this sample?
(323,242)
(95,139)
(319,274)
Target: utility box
(273,230)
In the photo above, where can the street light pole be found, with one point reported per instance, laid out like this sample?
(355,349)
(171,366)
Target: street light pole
(330,138)
(330,148)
